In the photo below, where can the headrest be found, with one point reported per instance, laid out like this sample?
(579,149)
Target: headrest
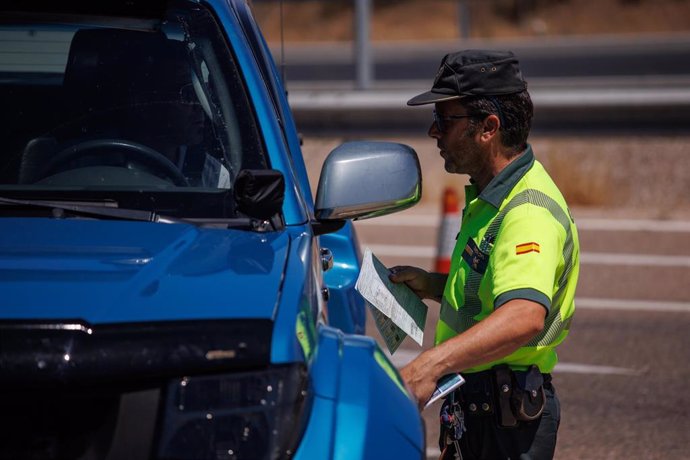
(108,65)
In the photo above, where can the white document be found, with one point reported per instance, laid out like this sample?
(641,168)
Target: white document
(396,302)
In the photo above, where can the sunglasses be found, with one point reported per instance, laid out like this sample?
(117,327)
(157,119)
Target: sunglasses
(441,121)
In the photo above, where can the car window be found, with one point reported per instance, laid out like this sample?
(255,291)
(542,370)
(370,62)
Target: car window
(103,106)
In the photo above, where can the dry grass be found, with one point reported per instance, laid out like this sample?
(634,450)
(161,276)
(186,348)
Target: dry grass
(331,20)
(637,173)
(588,184)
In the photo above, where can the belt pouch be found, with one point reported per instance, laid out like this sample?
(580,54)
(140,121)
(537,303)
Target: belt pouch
(476,395)
(528,397)
(504,391)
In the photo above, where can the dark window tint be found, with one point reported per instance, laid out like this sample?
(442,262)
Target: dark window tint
(119,105)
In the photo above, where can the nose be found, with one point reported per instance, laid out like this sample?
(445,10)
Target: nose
(433,131)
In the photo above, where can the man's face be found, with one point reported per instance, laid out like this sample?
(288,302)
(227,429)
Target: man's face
(456,141)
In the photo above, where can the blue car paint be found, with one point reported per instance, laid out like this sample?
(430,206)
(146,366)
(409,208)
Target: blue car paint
(348,306)
(279,97)
(298,293)
(347,310)
(370,412)
(110,272)
(354,425)
(293,211)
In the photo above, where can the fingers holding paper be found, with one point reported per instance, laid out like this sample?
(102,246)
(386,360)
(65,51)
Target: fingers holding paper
(424,284)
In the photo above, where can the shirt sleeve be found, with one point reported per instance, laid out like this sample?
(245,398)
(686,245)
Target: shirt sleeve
(526,256)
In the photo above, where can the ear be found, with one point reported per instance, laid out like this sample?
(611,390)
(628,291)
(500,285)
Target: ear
(490,127)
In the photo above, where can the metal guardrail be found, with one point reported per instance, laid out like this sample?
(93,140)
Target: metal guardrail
(661,105)
(637,84)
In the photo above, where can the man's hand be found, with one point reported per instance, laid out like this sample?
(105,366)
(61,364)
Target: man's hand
(420,379)
(426,285)
(501,333)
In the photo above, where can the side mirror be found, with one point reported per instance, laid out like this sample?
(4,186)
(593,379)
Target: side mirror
(360,180)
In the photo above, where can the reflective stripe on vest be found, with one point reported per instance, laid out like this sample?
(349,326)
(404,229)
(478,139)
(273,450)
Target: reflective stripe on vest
(462,319)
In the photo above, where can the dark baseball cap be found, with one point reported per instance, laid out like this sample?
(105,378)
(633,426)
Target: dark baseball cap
(474,73)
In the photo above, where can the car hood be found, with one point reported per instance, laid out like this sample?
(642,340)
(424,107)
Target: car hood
(114,271)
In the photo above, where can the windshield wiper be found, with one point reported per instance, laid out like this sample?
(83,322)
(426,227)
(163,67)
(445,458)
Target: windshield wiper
(60,208)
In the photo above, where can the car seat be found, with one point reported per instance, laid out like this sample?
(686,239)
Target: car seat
(106,70)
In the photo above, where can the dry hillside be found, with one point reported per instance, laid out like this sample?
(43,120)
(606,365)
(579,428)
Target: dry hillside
(331,20)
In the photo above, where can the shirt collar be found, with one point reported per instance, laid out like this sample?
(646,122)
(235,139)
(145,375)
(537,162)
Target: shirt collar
(499,187)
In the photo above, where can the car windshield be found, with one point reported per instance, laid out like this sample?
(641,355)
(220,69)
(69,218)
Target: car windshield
(147,113)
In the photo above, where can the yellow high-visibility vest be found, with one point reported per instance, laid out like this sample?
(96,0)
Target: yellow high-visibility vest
(517,240)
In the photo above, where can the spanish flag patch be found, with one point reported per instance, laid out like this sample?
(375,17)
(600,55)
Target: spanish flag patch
(524,248)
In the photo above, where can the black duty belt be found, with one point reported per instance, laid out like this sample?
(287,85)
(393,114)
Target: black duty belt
(513,396)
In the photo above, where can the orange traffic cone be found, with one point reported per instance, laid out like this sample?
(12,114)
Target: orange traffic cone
(448,230)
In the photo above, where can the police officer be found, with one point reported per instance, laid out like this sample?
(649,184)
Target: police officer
(507,300)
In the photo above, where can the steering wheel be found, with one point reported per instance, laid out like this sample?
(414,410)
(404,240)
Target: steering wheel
(139,152)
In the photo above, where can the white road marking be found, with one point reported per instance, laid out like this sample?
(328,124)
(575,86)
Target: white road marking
(590,369)
(403,356)
(433,452)
(631,225)
(632,305)
(587,258)
(402,250)
(645,260)
(634,225)
(395,220)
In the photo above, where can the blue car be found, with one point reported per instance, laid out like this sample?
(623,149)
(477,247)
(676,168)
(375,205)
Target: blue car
(169,288)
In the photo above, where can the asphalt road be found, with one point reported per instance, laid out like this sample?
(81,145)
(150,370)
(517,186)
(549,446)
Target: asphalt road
(623,370)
